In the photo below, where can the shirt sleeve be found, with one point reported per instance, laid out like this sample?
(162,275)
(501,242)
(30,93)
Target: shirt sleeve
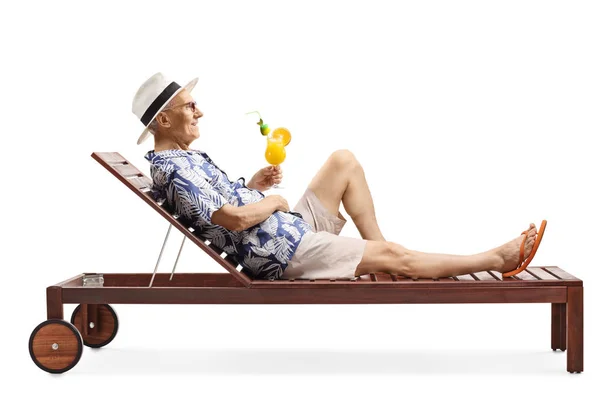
(193,197)
(241,182)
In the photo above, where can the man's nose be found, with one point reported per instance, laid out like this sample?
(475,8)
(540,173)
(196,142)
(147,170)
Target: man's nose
(198,113)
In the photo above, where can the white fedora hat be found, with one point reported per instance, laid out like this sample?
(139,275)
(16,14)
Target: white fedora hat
(153,96)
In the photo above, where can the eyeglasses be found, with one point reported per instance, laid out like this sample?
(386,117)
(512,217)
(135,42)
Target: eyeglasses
(191,104)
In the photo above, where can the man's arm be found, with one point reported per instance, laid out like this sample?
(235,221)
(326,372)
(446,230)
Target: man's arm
(252,182)
(196,200)
(251,185)
(241,218)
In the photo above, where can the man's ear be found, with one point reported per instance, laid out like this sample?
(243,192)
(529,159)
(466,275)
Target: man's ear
(163,120)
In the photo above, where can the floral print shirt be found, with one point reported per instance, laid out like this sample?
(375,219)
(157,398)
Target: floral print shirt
(194,188)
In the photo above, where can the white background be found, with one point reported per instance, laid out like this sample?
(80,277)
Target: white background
(471,119)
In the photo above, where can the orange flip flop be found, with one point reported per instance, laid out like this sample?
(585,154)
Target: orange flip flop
(522,264)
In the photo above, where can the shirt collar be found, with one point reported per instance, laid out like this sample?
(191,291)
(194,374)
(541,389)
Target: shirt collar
(171,153)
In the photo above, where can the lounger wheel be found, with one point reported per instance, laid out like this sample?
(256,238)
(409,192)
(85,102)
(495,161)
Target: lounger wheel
(103,324)
(55,346)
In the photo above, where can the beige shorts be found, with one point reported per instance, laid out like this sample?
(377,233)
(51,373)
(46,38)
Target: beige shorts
(323,254)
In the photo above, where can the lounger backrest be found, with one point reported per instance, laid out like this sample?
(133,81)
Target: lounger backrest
(141,185)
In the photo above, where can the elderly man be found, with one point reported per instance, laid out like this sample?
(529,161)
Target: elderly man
(264,235)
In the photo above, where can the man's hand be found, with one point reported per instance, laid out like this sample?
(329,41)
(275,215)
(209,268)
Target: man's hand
(279,203)
(265,178)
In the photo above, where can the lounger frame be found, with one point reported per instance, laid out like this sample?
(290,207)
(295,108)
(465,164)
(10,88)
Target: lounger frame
(534,285)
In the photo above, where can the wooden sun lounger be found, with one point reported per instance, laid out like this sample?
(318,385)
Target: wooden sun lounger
(56,345)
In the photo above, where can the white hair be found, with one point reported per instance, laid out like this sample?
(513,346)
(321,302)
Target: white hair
(153,125)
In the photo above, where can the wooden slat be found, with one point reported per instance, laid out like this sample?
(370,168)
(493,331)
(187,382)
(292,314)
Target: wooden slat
(526,276)
(383,277)
(141,182)
(111,158)
(496,274)
(561,274)
(466,277)
(127,170)
(542,274)
(484,276)
(499,276)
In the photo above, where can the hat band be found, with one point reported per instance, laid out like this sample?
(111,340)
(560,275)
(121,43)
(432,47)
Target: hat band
(159,102)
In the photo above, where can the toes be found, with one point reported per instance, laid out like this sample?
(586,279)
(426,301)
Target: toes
(530,229)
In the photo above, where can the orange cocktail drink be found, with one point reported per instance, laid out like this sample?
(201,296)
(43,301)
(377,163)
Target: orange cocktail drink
(275,153)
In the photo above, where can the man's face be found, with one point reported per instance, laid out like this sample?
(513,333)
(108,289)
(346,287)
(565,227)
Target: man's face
(183,118)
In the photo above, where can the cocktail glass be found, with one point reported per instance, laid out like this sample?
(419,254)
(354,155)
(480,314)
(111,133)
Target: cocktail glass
(275,153)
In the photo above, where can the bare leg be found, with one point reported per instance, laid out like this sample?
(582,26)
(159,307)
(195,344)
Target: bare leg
(342,180)
(395,259)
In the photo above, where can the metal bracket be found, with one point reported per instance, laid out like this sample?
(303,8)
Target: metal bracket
(177,259)
(161,253)
(93,280)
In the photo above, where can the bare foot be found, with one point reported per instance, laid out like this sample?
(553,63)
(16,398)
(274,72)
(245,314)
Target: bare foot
(509,252)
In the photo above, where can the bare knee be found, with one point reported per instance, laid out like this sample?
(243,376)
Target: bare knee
(344,159)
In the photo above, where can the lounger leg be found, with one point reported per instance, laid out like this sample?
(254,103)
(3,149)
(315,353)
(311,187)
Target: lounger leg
(85,320)
(575,329)
(54,304)
(559,326)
